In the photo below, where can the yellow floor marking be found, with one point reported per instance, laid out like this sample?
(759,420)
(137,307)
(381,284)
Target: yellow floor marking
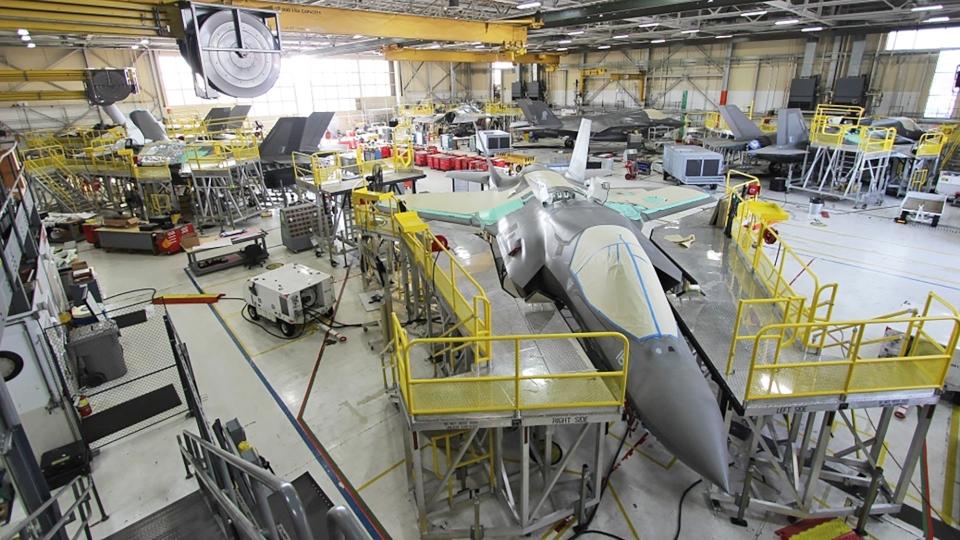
(900,273)
(950,477)
(858,237)
(564,529)
(866,250)
(233,331)
(623,511)
(371,481)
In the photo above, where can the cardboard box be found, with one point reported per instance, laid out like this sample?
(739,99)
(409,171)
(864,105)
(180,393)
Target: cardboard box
(190,240)
(78,265)
(121,223)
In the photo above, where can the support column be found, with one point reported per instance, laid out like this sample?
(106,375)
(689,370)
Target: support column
(856,56)
(809,55)
(725,82)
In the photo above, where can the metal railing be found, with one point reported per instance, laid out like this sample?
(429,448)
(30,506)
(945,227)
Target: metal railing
(920,363)
(931,144)
(379,213)
(505,393)
(240,490)
(76,515)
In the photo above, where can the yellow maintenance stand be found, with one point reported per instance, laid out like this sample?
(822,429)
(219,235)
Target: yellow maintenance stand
(485,413)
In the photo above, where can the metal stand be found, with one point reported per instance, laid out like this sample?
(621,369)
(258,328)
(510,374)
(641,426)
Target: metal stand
(846,172)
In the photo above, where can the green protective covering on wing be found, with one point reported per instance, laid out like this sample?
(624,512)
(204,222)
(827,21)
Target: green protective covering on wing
(638,204)
(471,208)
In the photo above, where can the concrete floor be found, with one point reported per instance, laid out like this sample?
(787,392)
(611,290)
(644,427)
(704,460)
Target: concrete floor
(245,373)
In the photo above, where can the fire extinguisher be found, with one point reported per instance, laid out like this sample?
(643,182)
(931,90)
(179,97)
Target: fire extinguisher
(83,407)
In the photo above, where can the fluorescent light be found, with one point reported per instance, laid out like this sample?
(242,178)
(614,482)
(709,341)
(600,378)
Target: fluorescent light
(144,42)
(812,29)
(503,65)
(25,37)
(785,22)
(658,41)
(937,19)
(621,36)
(134,46)
(692,31)
(357,36)
(565,41)
(604,47)
(575,33)
(31,45)
(528,5)
(760,13)
(434,46)
(479,47)
(927,8)
(649,25)
(724,36)
(22,31)
(561,49)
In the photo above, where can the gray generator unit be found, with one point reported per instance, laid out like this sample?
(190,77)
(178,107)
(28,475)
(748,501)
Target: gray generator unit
(95,353)
(490,142)
(693,165)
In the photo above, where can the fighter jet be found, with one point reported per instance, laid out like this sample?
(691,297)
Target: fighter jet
(789,145)
(461,121)
(572,240)
(609,127)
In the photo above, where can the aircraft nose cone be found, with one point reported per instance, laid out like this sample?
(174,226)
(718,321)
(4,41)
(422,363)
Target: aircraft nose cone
(675,403)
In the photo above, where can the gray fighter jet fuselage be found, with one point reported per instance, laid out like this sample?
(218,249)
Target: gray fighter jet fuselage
(605,127)
(596,263)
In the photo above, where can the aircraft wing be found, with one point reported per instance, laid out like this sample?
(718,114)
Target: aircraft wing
(467,208)
(639,204)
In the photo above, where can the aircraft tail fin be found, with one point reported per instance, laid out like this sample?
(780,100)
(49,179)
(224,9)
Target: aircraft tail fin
(577,171)
(538,114)
(791,129)
(742,127)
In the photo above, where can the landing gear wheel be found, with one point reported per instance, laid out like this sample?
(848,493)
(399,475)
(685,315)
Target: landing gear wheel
(568,142)
(287,329)
(252,312)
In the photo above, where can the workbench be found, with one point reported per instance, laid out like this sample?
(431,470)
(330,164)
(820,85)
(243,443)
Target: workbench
(224,252)
(133,239)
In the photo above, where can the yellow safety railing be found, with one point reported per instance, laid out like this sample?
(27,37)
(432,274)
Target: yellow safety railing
(317,168)
(876,139)
(783,273)
(921,362)
(222,154)
(779,310)
(713,120)
(419,109)
(931,144)
(832,123)
(918,180)
(497,108)
(505,393)
(768,124)
(380,213)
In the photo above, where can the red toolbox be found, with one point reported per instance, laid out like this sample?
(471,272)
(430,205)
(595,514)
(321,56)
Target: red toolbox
(445,163)
(432,150)
(463,163)
(168,242)
(420,158)
(386,151)
(432,161)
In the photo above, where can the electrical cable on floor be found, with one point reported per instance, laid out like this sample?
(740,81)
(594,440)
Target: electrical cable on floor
(585,527)
(601,533)
(676,535)
(153,293)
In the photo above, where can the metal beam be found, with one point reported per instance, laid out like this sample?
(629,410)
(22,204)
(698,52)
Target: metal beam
(434,55)
(624,9)
(145,18)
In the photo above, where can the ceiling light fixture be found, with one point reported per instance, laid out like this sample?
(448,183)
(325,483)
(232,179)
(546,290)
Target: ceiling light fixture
(927,8)
(561,49)
(503,65)
(812,29)
(565,41)
(621,36)
(144,42)
(760,13)
(724,36)
(357,36)
(31,45)
(575,33)
(937,19)
(604,47)
(785,22)
(22,31)
(25,37)
(649,25)
(658,41)
(691,31)
(528,5)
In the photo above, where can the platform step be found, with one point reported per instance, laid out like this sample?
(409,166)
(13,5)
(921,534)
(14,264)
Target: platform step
(188,518)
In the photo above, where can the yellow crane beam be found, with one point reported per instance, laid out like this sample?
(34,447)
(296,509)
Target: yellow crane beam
(41,75)
(43,95)
(151,18)
(429,55)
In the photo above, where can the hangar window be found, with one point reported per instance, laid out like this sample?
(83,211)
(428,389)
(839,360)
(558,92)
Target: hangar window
(941,96)
(306,84)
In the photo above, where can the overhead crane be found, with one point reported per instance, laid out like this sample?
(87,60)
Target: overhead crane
(160,18)
(475,57)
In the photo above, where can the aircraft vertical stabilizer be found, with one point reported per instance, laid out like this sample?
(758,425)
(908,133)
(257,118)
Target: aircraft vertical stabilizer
(743,128)
(577,171)
(791,130)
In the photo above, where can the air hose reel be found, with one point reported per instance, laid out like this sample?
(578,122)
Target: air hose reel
(232,51)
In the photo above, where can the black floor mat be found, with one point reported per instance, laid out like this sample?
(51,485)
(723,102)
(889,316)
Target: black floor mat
(129,413)
(315,504)
(190,518)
